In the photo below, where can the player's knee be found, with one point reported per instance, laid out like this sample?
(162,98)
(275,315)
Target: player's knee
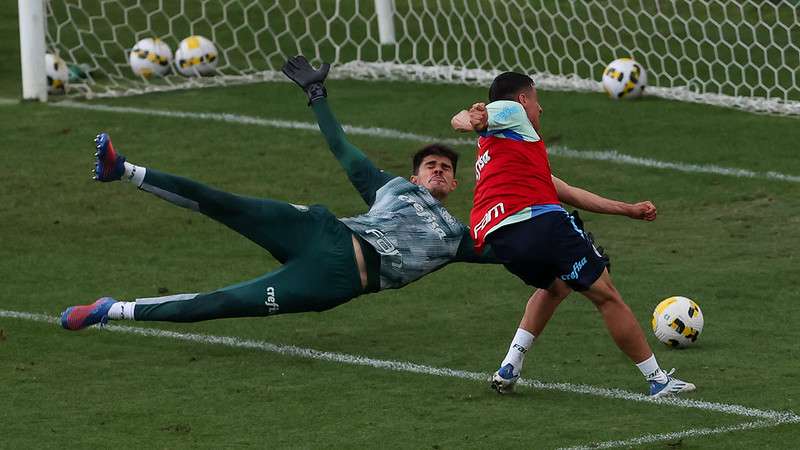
(220,202)
(602,294)
(547,296)
(608,298)
(557,291)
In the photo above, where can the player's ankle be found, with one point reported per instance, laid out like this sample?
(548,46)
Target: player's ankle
(651,370)
(121,311)
(135,174)
(523,340)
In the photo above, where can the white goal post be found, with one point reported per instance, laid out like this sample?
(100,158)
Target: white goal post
(736,53)
(32,49)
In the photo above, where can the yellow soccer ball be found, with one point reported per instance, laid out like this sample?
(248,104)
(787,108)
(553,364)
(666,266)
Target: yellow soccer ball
(677,322)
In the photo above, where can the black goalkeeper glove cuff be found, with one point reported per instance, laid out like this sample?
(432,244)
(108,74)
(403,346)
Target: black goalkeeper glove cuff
(316,91)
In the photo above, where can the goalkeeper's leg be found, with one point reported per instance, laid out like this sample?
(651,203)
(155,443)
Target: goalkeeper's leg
(323,278)
(281,228)
(286,290)
(278,292)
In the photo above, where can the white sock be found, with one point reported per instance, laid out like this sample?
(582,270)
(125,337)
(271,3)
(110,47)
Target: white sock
(516,352)
(134,174)
(121,311)
(651,371)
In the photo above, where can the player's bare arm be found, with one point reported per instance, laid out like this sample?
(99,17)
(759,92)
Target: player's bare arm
(474,119)
(588,201)
(460,122)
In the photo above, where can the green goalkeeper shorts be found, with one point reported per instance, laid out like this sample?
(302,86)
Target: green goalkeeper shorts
(319,268)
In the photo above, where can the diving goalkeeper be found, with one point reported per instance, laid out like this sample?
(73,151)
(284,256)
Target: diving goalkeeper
(406,234)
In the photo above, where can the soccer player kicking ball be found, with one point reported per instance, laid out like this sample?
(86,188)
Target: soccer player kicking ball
(406,234)
(516,211)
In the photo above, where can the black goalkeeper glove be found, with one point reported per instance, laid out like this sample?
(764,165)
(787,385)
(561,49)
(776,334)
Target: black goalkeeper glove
(300,71)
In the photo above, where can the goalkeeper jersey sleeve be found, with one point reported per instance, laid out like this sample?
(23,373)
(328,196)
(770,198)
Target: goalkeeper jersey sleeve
(366,178)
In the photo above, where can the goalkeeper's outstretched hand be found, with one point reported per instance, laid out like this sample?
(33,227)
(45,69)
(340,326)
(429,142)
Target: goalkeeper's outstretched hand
(300,71)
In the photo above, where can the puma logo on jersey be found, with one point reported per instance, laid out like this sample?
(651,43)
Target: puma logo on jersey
(493,213)
(385,247)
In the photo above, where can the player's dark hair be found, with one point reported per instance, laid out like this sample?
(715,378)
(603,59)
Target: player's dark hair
(438,150)
(508,85)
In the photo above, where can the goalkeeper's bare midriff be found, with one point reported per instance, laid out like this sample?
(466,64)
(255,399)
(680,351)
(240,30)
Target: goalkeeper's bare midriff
(362,265)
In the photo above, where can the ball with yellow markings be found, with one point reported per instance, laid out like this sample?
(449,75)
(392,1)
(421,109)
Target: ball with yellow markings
(57,74)
(677,322)
(196,56)
(624,78)
(150,57)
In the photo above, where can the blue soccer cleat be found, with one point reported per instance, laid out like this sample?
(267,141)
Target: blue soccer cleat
(503,380)
(109,165)
(671,387)
(82,316)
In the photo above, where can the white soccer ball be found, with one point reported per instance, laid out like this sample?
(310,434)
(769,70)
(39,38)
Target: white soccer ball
(57,74)
(196,56)
(624,78)
(677,321)
(150,57)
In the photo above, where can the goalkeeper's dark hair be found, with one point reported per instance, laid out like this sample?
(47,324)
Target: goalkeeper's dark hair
(508,85)
(437,150)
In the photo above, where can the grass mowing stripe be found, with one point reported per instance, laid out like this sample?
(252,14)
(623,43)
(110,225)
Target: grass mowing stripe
(695,432)
(260,121)
(556,150)
(402,366)
(614,156)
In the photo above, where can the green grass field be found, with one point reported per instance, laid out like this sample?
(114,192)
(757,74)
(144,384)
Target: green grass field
(729,242)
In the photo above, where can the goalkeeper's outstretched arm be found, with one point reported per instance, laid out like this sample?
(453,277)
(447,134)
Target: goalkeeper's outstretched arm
(366,178)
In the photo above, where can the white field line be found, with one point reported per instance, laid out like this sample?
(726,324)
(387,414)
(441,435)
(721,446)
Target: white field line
(696,432)
(556,150)
(402,366)
(769,418)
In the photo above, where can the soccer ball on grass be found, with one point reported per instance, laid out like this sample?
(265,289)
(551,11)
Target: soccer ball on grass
(677,322)
(624,78)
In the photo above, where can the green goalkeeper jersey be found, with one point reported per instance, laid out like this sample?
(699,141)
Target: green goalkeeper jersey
(411,231)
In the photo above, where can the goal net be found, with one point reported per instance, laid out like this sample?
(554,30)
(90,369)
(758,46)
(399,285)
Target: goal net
(740,53)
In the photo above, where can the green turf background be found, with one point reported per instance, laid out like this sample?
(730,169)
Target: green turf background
(729,243)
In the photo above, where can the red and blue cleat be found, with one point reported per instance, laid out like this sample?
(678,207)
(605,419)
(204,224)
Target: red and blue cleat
(109,165)
(82,316)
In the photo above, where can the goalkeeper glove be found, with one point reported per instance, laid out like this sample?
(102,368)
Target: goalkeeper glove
(300,71)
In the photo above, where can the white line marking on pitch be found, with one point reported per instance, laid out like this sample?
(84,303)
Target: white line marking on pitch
(773,418)
(697,432)
(556,150)
(401,366)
